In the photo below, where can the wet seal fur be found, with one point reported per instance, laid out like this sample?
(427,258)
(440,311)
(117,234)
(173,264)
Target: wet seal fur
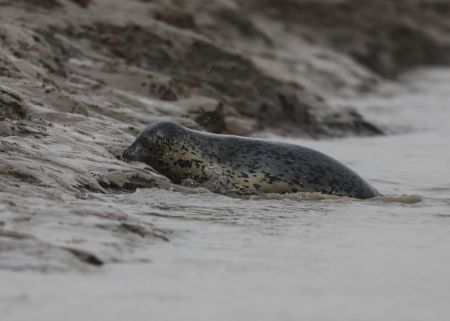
(233,164)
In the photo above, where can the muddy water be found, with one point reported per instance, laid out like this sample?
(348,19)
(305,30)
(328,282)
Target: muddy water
(300,257)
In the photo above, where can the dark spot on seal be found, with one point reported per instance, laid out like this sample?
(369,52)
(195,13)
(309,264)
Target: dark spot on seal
(183,163)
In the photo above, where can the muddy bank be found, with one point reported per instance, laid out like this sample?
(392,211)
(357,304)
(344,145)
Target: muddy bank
(387,37)
(80,78)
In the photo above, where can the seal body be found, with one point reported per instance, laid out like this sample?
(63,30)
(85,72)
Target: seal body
(233,164)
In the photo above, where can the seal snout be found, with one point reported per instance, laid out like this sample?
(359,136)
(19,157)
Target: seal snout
(130,154)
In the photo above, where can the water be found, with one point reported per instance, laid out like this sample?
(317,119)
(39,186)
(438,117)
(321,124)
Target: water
(287,258)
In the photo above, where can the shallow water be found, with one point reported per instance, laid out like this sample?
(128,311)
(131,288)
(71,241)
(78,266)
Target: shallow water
(297,257)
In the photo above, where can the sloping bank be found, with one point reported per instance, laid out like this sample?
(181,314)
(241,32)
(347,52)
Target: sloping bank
(78,79)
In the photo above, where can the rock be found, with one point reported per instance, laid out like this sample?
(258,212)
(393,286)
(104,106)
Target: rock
(207,112)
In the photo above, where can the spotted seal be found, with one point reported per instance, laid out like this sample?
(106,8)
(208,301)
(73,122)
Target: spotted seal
(234,164)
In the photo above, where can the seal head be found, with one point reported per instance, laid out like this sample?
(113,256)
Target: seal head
(162,146)
(153,142)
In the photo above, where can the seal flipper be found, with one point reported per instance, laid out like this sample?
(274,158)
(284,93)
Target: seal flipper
(219,185)
(215,185)
(216,182)
(189,182)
